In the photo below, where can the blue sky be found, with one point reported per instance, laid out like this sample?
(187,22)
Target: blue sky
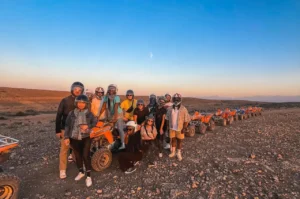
(198,48)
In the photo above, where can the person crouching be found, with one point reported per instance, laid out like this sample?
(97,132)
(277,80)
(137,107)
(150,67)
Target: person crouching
(77,133)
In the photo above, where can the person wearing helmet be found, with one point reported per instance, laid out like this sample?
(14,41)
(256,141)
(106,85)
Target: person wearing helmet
(134,150)
(114,112)
(128,106)
(79,125)
(152,104)
(160,123)
(168,103)
(98,107)
(140,113)
(178,120)
(65,107)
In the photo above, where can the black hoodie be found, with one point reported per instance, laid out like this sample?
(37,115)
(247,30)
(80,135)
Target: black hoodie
(65,107)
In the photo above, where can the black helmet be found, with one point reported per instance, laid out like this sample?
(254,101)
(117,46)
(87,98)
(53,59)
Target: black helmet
(177,99)
(82,98)
(130,92)
(77,84)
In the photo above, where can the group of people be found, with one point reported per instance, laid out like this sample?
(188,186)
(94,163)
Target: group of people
(160,123)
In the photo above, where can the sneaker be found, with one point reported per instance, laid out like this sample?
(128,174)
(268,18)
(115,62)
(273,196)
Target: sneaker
(79,176)
(122,147)
(172,154)
(167,146)
(62,174)
(160,155)
(88,181)
(179,156)
(130,170)
(70,158)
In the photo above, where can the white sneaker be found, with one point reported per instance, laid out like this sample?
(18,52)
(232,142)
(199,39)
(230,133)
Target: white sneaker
(79,176)
(70,158)
(122,146)
(62,174)
(88,181)
(160,155)
(167,146)
(172,154)
(179,155)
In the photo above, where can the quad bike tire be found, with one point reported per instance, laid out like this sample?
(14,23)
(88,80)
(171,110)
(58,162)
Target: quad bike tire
(236,118)
(202,128)
(230,120)
(9,186)
(241,117)
(190,132)
(223,122)
(101,159)
(212,125)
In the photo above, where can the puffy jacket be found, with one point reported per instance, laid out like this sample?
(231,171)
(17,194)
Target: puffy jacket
(65,107)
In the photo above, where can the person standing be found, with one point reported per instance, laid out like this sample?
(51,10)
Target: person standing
(178,120)
(167,105)
(65,107)
(160,123)
(140,113)
(79,124)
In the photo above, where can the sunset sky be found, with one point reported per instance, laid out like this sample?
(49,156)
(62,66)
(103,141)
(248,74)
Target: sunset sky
(199,48)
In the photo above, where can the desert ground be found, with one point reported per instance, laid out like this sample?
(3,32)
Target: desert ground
(254,158)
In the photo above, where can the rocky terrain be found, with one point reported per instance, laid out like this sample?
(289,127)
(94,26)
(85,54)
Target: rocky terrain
(255,158)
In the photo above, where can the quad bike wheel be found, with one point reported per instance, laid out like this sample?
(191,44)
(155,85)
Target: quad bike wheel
(9,186)
(190,132)
(202,128)
(241,117)
(236,117)
(230,120)
(101,159)
(223,122)
(211,126)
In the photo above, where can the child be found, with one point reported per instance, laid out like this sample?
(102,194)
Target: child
(79,123)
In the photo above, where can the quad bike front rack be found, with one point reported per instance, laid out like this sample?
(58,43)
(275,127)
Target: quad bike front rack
(7,143)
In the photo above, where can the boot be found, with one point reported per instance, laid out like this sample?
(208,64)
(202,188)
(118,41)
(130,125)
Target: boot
(173,150)
(179,155)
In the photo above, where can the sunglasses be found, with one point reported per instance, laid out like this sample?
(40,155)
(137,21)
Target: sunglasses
(140,104)
(129,129)
(100,92)
(150,121)
(129,95)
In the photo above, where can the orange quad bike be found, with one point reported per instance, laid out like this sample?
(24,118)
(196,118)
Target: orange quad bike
(201,122)
(9,183)
(254,111)
(218,119)
(234,114)
(105,141)
(248,111)
(223,119)
(259,110)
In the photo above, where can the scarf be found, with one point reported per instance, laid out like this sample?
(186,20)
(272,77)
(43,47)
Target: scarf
(80,118)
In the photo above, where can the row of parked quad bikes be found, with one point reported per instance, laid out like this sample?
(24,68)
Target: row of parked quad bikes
(202,122)
(106,141)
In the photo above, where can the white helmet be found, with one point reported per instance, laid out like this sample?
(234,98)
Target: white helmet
(112,86)
(132,124)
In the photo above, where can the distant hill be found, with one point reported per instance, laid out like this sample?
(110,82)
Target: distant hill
(276,98)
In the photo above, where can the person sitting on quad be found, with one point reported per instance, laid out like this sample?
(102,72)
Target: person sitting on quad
(219,112)
(152,104)
(65,107)
(79,124)
(178,119)
(160,123)
(128,106)
(140,113)
(114,112)
(98,107)
(168,101)
(134,149)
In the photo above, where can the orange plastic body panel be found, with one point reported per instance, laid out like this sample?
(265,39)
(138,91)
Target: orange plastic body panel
(233,112)
(7,148)
(226,115)
(103,131)
(206,118)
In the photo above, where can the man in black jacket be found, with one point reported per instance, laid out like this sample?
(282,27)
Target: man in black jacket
(66,105)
